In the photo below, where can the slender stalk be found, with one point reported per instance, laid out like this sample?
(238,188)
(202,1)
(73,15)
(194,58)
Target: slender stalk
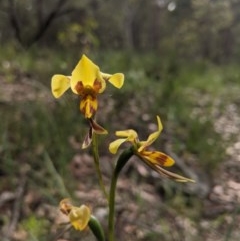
(112,207)
(122,160)
(97,165)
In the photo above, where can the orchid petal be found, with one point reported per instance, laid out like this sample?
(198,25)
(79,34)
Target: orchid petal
(164,172)
(116,80)
(157,158)
(113,147)
(130,134)
(171,175)
(86,72)
(152,137)
(88,139)
(97,128)
(65,206)
(79,217)
(88,106)
(59,84)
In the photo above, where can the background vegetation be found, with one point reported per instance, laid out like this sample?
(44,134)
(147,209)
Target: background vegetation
(181,61)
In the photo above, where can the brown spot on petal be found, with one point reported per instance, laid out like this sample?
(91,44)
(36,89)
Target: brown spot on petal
(161,159)
(158,158)
(97,85)
(79,88)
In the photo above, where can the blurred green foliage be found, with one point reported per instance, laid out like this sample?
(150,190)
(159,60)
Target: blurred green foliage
(180,59)
(30,129)
(183,29)
(175,91)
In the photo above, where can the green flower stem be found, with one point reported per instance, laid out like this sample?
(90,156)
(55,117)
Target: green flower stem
(122,160)
(97,166)
(96,228)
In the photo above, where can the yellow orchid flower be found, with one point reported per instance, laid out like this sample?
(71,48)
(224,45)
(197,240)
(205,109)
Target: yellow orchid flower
(86,81)
(154,159)
(78,216)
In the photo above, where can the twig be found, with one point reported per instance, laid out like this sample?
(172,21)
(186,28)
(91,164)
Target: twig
(6,197)
(16,207)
